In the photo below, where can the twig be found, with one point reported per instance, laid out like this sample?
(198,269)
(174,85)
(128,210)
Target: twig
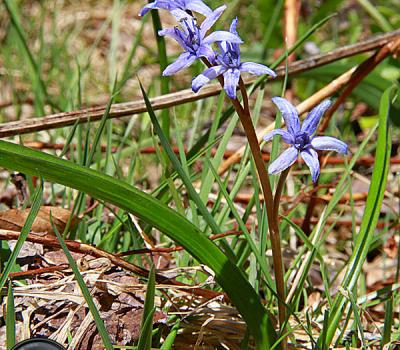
(36,272)
(98,253)
(333,160)
(359,74)
(177,248)
(130,108)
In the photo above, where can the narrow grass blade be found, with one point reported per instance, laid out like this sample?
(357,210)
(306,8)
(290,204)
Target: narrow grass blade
(10,318)
(126,71)
(389,317)
(41,93)
(36,202)
(261,261)
(376,15)
(178,167)
(324,329)
(101,127)
(85,291)
(357,318)
(169,340)
(371,212)
(148,312)
(155,213)
(162,57)
(69,139)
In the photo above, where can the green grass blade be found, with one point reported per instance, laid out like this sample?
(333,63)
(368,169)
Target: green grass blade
(10,318)
(357,318)
(128,63)
(153,212)
(389,317)
(162,57)
(85,291)
(41,93)
(261,261)
(169,340)
(371,212)
(101,127)
(376,15)
(178,167)
(148,312)
(36,202)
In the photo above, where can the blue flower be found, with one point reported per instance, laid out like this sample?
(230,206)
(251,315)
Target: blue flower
(229,64)
(302,139)
(194,41)
(178,7)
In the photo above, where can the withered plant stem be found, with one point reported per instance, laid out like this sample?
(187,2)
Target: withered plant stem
(247,123)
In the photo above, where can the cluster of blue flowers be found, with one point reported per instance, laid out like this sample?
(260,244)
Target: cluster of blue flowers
(197,44)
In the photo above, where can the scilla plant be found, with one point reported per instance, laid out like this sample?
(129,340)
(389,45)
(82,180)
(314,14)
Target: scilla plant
(220,52)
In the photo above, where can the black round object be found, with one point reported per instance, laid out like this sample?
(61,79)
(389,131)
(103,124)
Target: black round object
(38,344)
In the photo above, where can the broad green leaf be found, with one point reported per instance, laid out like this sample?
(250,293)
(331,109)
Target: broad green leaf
(150,210)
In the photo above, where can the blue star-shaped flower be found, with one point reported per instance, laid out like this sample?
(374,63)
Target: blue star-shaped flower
(194,41)
(229,64)
(302,140)
(177,7)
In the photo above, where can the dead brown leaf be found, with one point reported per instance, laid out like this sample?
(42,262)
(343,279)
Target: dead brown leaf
(14,219)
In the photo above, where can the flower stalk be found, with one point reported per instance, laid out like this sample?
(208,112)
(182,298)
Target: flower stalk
(273,223)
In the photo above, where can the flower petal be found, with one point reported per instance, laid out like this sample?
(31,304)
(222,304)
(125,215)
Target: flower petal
(199,7)
(211,19)
(206,51)
(233,26)
(221,35)
(310,157)
(179,14)
(231,81)
(183,61)
(313,118)
(284,161)
(327,143)
(206,76)
(158,4)
(257,69)
(175,34)
(287,137)
(289,113)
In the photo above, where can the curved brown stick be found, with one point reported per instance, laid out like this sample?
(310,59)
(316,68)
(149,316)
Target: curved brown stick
(98,253)
(130,108)
(359,74)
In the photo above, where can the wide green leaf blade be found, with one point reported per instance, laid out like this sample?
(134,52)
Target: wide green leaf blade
(152,211)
